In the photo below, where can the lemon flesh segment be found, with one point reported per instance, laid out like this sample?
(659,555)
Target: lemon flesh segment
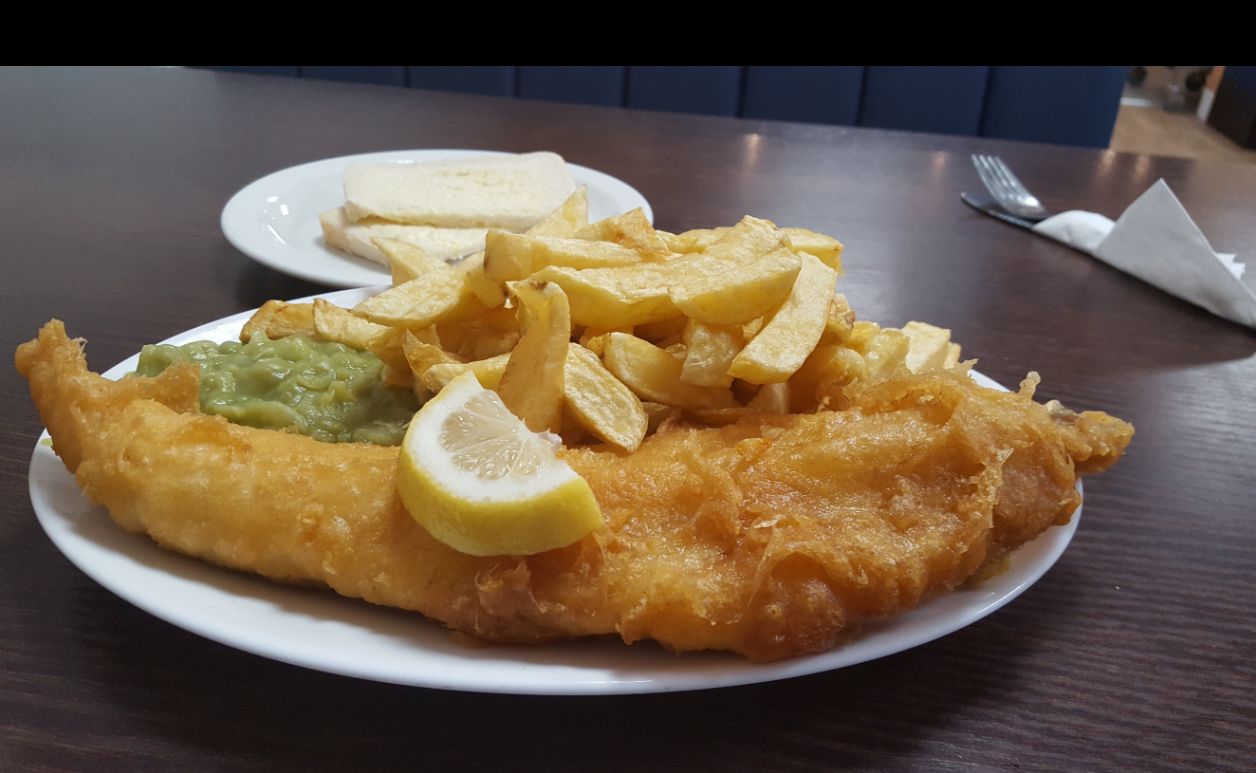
(480,481)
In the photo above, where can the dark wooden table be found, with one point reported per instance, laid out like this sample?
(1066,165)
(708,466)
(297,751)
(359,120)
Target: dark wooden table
(1135,652)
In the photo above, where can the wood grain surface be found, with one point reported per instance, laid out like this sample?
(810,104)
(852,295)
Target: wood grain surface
(1135,652)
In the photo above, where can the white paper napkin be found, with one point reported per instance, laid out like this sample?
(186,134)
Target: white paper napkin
(1156,241)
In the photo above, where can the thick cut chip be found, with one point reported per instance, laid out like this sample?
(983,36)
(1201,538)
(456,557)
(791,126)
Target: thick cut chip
(389,346)
(421,356)
(841,320)
(594,339)
(489,292)
(570,217)
(615,298)
(632,230)
(826,248)
(419,302)
(279,319)
(510,256)
(654,375)
(709,351)
(490,344)
(788,338)
(693,241)
(745,274)
(488,372)
(335,323)
(532,386)
(493,332)
(928,346)
(428,335)
(728,291)
(771,398)
(440,293)
(600,402)
(885,352)
(747,241)
(861,333)
(405,265)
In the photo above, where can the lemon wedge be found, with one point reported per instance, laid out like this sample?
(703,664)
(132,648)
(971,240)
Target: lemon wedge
(473,475)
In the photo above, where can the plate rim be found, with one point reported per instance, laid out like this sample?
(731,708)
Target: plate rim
(237,218)
(1051,544)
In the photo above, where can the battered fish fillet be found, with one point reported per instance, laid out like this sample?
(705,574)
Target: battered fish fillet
(774,537)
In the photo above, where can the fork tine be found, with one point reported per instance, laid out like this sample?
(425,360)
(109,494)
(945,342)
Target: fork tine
(999,171)
(1005,174)
(999,184)
(982,169)
(980,163)
(1018,188)
(989,177)
(1006,188)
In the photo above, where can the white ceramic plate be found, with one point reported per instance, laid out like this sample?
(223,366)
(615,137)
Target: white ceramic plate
(274,220)
(320,630)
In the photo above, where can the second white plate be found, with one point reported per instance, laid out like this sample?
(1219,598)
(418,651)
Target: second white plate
(274,220)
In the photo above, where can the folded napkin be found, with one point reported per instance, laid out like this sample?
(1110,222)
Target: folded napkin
(1156,241)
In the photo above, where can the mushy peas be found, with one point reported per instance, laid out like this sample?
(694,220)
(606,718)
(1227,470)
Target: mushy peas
(326,390)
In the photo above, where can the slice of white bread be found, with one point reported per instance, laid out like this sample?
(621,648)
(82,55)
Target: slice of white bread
(509,192)
(443,243)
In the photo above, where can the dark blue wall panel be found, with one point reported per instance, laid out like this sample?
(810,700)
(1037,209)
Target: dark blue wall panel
(1240,77)
(1063,105)
(1234,110)
(584,85)
(384,76)
(494,81)
(944,100)
(709,90)
(809,94)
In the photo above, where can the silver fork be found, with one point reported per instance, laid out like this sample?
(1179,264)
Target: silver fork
(1007,190)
